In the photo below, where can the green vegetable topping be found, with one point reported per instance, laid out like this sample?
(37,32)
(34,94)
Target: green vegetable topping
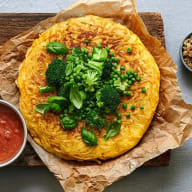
(47,89)
(138,78)
(55,73)
(128,115)
(76,97)
(122,68)
(93,120)
(111,54)
(42,108)
(119,115)
(54,107)
(143,90)
(128,93)
(89,85)
(129,50)
(113,129)
(56,48)
(88,137)
(99,54)
(132,107)
(86,42)
(68,123)
(103,101)
(124,105)
(62,101)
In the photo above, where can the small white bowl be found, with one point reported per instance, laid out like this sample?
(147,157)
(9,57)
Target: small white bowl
(10,106)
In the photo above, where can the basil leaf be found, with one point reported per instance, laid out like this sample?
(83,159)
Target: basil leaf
(58,100)
(54,107)
(113,129)
(69,68)
(56,48)
(88,137)
(99,54)
(76,97)
(42,107)
(46,89)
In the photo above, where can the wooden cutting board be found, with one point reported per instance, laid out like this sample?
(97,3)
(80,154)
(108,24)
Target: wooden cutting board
(12,24)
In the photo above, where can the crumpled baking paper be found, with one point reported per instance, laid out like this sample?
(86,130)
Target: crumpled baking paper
(171,125)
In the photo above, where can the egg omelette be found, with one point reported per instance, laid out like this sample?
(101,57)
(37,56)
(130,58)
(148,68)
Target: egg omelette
(46,129)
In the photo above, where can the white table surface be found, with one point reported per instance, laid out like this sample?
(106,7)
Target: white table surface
(177,15)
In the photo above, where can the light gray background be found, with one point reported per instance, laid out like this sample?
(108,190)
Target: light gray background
(177,15)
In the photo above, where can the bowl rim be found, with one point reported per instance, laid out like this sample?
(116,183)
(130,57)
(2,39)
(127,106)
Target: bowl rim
(12,107)
(181,52)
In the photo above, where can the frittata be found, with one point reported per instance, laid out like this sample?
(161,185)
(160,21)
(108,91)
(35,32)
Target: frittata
(46,129)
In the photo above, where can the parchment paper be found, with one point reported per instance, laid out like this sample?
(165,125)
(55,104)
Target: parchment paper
(172,123)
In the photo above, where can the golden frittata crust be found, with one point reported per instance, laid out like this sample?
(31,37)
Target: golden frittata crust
(46,129)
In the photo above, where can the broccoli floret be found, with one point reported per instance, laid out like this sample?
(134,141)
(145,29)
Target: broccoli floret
(108,98)
(55,74)
(120,86)
(107,69)
(93,120)
(99,54)
(77,56)
(91,79)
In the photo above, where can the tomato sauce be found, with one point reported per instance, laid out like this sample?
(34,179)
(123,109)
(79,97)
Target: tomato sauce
(11,133)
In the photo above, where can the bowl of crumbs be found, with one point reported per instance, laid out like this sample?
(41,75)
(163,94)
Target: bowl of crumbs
(186,52)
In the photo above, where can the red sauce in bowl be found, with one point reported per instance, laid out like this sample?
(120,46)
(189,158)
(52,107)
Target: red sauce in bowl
(11,133)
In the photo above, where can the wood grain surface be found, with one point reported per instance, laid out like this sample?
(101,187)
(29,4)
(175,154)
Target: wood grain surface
(12,24)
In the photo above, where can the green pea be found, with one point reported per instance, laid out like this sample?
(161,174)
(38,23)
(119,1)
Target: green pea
(143,90)
(128,93)
(119,115)
(130,76)
(141,107)
(128,115)
(133,79)
(122,77)
(111,54)
(122,68)
(108,49)
(61,116)
(129,50)
(99,46)
(115,65)
(132,107)
(115,59)
(126,76)
(86,41)
(138,78)
(128,72)
(130,82)
(135,74)
(124,105)
(119,121)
